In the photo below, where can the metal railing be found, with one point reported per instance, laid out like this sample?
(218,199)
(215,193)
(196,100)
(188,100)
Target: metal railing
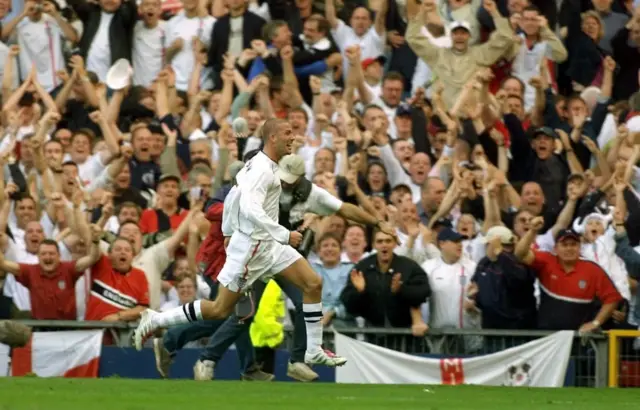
(590,354)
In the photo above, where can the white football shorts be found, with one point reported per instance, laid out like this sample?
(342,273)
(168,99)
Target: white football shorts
(249,260)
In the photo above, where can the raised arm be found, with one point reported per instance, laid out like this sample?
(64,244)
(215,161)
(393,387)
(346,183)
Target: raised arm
(416,40)
(330,13)
(523,248)
(8,267)
(67,29)
(174,241)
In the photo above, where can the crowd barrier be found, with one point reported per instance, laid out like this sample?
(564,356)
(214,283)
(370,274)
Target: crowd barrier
(597,360)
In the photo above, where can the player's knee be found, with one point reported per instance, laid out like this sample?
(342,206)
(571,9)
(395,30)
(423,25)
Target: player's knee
(313,285)
(215,311)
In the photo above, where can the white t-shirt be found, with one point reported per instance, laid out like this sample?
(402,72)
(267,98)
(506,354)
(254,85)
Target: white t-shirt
(371,43)
(41,44)
(99,54)
(448,292)
(253,205)
(12,288)
(235,35)
(149,48)
(186,28)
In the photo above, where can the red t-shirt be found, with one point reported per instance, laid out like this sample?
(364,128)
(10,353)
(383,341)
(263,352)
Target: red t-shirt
(112,292)
(149,220)
(52,297)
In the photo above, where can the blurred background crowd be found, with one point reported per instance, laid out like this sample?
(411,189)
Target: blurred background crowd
(481,130)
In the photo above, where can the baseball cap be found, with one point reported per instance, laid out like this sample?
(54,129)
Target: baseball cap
(442,222)
(403,109)
(234,168)
(368,61)
(460,24)
(567,234)
(290,168)
(506,236)
(633,125)
(544,131)
(448,234)
(169,177)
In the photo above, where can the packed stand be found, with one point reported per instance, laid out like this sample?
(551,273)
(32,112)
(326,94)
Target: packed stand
(499,140)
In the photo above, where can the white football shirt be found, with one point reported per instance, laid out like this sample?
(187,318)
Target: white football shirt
(255,205)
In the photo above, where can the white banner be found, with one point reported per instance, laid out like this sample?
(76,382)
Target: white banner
(540,363)
(4,360)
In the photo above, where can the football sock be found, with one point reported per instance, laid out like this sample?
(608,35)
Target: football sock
(312,317)
(186,313)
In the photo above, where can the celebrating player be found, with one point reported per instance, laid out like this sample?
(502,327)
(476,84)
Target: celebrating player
(258,249)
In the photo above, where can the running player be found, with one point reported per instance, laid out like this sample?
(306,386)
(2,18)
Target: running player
(259,249)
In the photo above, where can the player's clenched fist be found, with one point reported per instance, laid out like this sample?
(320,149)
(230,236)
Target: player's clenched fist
(295,238)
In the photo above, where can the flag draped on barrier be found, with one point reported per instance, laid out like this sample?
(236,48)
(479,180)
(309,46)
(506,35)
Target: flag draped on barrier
(540,363)
(57,354)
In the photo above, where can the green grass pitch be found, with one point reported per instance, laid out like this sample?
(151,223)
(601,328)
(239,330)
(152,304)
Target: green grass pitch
(122,394)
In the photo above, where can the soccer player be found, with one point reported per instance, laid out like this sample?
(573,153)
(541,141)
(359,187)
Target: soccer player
(259,249)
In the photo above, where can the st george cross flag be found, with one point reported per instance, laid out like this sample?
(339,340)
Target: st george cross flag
(58,354)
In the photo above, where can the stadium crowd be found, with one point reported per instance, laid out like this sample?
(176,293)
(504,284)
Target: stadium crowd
(498,137)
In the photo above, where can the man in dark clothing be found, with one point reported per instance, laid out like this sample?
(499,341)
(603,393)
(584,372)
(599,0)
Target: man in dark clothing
(504,286)
(536,161)
(117,18)
(386,290)
(225,32)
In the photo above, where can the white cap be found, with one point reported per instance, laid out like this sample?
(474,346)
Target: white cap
(197,134)
(506,236)
(460,24)
(291,168)
(119,75)
(633,125)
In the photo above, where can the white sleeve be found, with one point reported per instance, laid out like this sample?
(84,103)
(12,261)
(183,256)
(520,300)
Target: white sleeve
(252,195)
(377,40)
(546,242)
(321,202)
(261,10)
(396,173)
(341,34)
(100,182)
(160,255)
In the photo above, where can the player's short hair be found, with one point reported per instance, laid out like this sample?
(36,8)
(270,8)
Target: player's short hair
(270,127)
